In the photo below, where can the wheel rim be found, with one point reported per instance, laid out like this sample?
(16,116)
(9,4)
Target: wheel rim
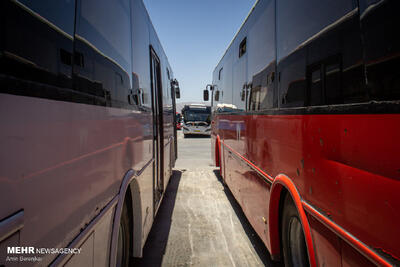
(121,246)
(298,248)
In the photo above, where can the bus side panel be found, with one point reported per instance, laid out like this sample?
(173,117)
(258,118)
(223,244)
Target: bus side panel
(333,164)
(250,189)
(95,248)
(215,133)
(327,243)
(213,140)
(143,208)
(53,161)
(254,195)
(228,137)
(168,162)
(351,257)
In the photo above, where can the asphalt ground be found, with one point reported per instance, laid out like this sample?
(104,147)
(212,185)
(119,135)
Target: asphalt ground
(199,222)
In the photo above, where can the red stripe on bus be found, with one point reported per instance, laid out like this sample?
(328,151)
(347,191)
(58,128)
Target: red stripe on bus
(353,241)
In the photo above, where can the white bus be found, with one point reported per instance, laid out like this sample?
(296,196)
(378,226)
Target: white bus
(196,120)
(87,101)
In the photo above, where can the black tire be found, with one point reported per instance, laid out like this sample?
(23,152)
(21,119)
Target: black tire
(293,242)
(185,135)
(124,247)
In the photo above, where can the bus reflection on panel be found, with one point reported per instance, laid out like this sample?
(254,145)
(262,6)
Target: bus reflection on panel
(87,101)
(310,148)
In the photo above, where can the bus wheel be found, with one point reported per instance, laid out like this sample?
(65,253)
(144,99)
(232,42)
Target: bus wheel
(293,241)
(124,239)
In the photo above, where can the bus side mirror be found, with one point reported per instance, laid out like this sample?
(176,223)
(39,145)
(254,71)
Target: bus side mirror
(205,95)
(175,87)
(217,95)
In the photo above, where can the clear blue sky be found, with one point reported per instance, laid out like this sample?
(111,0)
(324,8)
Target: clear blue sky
(195,35)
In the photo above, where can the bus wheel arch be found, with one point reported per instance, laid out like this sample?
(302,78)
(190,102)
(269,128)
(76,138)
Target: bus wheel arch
(137,218)
(281,187)
(127,198)
(125,234)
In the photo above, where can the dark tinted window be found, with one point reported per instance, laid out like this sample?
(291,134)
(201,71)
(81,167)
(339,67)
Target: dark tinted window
(325,83)
(103,41)
(292,80)
(261,57)
(380,25)
(316,97)
(37,45)
(105,25)
(319,53)
(299,20)
(333,88)
(261,89)
(54,13)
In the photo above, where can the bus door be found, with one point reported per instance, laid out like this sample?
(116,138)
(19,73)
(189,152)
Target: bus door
(176,121)
(158,138)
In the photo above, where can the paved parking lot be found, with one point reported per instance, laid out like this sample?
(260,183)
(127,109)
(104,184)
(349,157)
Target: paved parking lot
(199,222)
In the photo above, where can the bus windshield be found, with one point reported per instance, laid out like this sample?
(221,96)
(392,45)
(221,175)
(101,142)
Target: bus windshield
(197,114)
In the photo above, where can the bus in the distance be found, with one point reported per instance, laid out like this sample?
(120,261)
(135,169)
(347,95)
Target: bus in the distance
(196,120)
(87,101)
(308,145)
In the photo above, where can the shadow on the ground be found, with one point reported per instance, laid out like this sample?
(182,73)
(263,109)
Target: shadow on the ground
(197,136)
(156,243)
(255,240)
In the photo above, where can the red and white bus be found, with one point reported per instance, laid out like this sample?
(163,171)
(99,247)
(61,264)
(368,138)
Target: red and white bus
(308,145)
(88,137)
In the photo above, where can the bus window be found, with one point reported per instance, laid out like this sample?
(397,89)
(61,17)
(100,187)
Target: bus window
(299,26)
(379,24)
(41,53)
(106,51)
(297,21)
